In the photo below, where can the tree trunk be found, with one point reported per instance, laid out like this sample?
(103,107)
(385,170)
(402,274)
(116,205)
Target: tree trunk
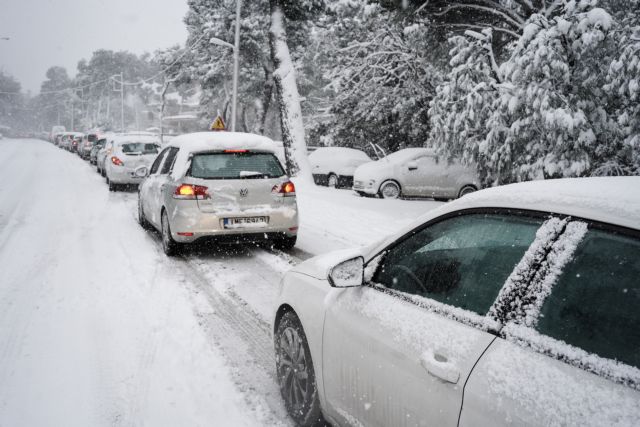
(293,137)
(267,94)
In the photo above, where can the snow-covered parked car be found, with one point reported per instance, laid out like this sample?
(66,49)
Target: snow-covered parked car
(97,146)
(219,185)
(126,154)
(334,166)
(516,305)
(415,172)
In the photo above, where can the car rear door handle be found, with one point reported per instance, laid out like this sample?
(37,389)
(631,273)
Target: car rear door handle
(440,367)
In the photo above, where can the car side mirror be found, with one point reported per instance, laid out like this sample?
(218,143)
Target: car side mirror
(347,274)
(412,165)
(141,171)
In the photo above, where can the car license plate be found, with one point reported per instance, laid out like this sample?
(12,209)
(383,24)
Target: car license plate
(255,221)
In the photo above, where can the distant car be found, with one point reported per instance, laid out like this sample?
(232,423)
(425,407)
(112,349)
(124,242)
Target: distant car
(95,148)
(126,153)
(516,305)
(55,131)
(86,144)
(219,185)
(334,166)
(415,172)
(69,140)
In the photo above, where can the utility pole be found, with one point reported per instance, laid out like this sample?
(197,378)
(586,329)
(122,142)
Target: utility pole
(236,54)
(122,101)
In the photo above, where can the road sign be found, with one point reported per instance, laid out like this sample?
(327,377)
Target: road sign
(218,124)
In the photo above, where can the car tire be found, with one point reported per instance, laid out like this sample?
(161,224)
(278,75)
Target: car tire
(112,185)
(390,190)
(141,218)
(285,243)
(169,246)
(298,386)
(467,189)
(332,181)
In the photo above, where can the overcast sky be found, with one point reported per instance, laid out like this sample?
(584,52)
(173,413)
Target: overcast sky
(61,32)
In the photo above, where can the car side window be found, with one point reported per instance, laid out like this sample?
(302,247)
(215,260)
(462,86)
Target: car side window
(168,164)
(158,161)
(595,303)
(462,261)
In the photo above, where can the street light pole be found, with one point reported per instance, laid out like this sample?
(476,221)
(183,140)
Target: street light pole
(122,100)
(236,54)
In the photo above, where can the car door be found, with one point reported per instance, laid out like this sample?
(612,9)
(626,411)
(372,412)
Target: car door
(398,351)
(572,357)
(163,178)
(149,190)
(421,177)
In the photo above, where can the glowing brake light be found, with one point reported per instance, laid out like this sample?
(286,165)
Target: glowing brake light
(286,189)
(116,161)
(191,192)
(236,151)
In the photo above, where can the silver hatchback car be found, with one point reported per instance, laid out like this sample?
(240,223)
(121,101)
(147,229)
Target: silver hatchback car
(227,185)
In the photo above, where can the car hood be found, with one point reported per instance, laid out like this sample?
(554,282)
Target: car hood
(373,170)
(320,266)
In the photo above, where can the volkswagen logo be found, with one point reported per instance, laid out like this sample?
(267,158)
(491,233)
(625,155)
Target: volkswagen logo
(244,192)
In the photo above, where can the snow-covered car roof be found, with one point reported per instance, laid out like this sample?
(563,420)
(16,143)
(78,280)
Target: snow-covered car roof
(408,153)
(72,134)
(207,141)
(339,152)
(614,200)
(135,137)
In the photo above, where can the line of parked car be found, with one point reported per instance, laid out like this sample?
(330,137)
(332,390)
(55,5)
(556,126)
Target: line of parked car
(411,172)
(211,185)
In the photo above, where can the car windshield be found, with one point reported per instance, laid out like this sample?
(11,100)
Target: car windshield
(235,166)
(139,148)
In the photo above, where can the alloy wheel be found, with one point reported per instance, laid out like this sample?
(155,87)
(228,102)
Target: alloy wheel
(292,369)
(390,190)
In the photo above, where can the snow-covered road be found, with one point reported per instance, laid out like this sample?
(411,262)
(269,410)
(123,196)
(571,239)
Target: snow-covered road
(98,327)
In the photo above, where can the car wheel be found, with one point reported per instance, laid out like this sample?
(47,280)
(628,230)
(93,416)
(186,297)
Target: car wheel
(141,219)
(295,373)
(112,185)
(169,246)
(466,190)
(390,190)
(332,181)
(285,243)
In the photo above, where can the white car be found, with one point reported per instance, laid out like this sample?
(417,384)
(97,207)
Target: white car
(126,153)
(415,172)
(221,185)
(334,166)
(516,305)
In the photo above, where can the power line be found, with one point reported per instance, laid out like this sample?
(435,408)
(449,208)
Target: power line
(186,50)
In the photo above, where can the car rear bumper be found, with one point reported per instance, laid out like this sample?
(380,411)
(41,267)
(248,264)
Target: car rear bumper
(123,175)
(189,223)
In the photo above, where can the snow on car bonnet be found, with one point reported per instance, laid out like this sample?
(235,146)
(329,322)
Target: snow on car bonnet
(206,141)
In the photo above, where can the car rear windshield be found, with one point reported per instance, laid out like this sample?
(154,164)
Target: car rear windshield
(235,166)
(139,148)
(92,138)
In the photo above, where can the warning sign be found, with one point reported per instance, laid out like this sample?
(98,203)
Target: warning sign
(218,124)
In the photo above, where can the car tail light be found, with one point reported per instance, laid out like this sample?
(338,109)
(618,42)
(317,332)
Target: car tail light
(286,189)
(116,161)
(236,151)
(191,192)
